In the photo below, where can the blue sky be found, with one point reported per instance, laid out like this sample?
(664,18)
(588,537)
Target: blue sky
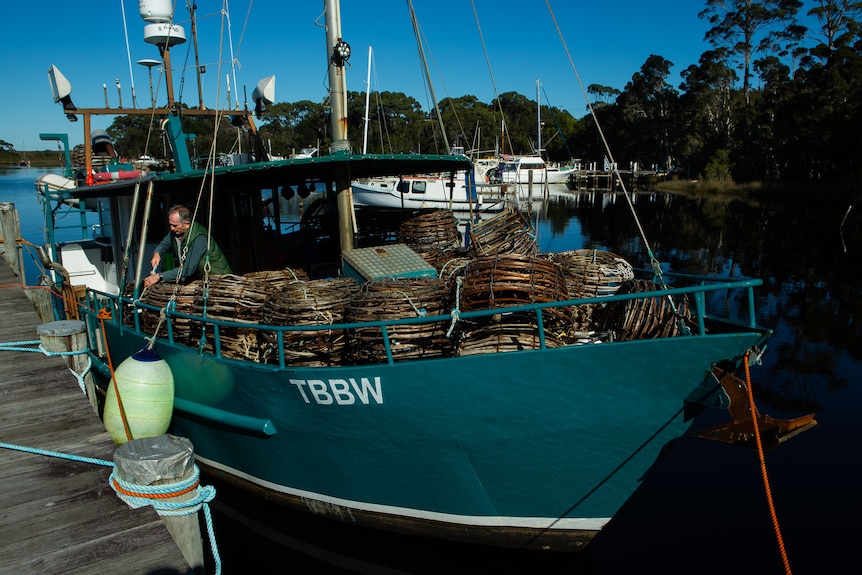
(85,39)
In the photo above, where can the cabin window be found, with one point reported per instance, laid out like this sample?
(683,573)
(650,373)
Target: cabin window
(419,186)
(403,187)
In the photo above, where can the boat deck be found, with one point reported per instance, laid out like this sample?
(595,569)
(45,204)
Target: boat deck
(61,516)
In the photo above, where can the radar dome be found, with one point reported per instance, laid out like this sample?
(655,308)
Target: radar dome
(162,33)
(156,10)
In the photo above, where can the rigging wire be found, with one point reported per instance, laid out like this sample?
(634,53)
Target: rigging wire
(493,82)
(557,123)
(244,28)
(656,266)
(430,86)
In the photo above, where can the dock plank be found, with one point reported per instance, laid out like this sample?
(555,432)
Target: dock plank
(58,515)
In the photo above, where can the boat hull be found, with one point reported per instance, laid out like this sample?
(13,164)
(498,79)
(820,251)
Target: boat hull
(550,176)
(435,194)
(534,448)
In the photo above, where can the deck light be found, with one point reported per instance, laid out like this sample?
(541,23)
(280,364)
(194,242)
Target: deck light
(340,53)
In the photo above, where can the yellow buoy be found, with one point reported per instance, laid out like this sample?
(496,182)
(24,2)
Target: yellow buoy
(146,389)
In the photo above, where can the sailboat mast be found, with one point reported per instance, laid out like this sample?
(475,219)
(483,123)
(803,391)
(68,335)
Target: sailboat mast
(367,95)
(538,118)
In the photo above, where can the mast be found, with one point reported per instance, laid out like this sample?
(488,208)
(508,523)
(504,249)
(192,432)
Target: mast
(538,118)
(367,95)
(192,6)
(338,52)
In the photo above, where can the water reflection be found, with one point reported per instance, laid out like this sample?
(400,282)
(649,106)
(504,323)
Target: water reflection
(807,259)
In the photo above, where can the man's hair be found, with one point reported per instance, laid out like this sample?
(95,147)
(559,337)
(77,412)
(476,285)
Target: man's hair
(184,213)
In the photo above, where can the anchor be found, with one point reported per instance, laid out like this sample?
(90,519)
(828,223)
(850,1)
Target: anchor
(740,431)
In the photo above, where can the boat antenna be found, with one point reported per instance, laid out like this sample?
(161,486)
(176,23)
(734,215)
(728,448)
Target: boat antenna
(233,60)
(656,265)
(192,7)
(128,54)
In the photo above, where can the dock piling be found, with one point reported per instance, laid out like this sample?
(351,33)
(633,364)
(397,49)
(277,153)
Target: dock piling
(166,461)
(70,336)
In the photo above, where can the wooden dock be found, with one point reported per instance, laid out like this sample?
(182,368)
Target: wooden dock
(57,515)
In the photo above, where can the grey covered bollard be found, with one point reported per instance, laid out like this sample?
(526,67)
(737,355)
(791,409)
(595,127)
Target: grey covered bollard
(160,471)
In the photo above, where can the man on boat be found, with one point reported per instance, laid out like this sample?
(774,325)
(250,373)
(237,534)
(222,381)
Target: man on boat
(191,240)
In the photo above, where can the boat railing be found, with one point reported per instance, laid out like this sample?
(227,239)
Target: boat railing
(54,199)
(99,302)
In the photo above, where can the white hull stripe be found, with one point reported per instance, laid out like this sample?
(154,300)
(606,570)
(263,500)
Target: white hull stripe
(315,500)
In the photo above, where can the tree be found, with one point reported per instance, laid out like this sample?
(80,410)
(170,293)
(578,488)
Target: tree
(745,27)
(287,128)
(647,105)
(707,110)
(839,25)
(602,95)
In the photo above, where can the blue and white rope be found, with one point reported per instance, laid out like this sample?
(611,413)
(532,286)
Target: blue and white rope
(20,346)
(201,500)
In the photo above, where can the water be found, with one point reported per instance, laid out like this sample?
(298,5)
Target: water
(702,508)
(17,186)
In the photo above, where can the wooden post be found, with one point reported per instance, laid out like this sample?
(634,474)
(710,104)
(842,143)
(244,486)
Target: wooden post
(10,226)
(166,460)
(70,335)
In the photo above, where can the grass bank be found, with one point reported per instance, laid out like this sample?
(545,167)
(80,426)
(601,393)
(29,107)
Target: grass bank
(823,193)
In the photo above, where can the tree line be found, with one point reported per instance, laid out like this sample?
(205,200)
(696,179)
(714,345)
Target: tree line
(775,97)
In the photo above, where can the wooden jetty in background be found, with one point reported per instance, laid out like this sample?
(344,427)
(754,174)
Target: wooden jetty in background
(605,180)
(62,516)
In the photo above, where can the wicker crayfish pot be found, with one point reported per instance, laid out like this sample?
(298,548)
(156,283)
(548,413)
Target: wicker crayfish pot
(399,298)
(508,280)
(310,303)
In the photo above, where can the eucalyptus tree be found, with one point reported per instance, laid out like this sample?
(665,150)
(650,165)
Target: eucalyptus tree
(288,127)
(472,124)
(647,105)
(707,111)
(840,26)
(824,105)
(519,117)
(747,27)
(602,95)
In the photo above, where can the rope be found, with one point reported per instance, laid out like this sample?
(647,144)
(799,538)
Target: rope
(105,314)
(762,459)
(420,312)
(136,496)
(21,346)
(455,314)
